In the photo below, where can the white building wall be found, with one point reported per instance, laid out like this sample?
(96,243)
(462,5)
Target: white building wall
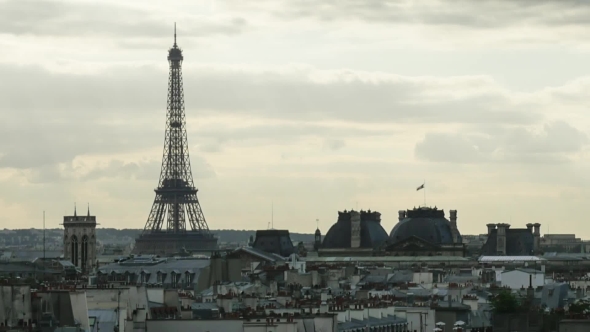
(80,308)
(420,319)
(422,278)
(517,279)
(155,295)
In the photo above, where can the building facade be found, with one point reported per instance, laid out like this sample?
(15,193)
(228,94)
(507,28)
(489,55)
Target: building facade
(80,241)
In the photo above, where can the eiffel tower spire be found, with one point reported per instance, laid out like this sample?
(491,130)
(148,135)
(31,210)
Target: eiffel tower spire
(176,209)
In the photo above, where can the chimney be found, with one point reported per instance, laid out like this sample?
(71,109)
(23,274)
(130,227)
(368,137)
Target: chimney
(530,291)
(355,229)
(491,227)
(537,235)
(454,230)
(501,239)
(529,227)
(401,215)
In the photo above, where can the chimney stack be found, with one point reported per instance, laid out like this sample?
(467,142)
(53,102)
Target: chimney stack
(454,229)
(501,239)
(401,215)
(491,227)
(537,235)
(529,227)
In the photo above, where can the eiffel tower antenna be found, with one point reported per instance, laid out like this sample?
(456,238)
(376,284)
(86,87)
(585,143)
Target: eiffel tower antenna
(175,35)
(272,215)
(176,219)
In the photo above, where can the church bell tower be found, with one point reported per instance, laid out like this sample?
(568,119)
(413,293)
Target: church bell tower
(80,240)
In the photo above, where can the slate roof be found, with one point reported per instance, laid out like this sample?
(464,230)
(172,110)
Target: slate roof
(166,267)
(519,242)
(372,233)
(274,241)
(105,319)
(426,223)
(480,318)
(400,276)
(29,255)
(261,254)
(555,295)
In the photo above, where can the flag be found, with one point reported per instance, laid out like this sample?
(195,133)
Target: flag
(421,187)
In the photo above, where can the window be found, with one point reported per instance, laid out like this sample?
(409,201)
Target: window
(175,278)
(189,279)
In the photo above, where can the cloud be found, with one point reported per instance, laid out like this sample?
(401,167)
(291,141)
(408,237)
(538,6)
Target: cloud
(289,92)
(50,18)
(482,14)
(144,170)
(556,142)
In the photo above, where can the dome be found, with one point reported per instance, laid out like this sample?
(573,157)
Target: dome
(371,231)
(426,223)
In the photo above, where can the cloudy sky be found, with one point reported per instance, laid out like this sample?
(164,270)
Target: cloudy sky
(315,106)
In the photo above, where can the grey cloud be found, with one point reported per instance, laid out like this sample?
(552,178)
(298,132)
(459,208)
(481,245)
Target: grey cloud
(59,18)
(461,13)
(122,92)
(213,137)
(145,171)
(335,144)
(556,143)
(49,118)
(30,144)
(454,148)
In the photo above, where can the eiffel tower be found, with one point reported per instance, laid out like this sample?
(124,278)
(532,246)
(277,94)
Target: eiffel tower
(176,222)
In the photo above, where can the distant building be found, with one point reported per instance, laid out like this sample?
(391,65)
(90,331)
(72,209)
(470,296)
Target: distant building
(522,278)
(503,241)
(274,241)
(80,241)
(425,231)
(354,231)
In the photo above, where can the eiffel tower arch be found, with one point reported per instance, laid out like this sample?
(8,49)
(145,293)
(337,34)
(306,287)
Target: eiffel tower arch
(176,222)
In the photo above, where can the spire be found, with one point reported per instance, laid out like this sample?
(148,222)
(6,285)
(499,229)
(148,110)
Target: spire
(75,214)
(175,35)
(88,209)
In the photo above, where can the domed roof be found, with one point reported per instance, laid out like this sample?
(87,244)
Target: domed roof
(426,223)
(372,233)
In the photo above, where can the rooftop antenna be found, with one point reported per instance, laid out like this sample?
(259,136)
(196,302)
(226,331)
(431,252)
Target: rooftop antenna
(317,223)
(272,215)
(44,245)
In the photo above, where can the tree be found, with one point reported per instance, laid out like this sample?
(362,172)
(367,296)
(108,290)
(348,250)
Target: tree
(579,307)
(505,302)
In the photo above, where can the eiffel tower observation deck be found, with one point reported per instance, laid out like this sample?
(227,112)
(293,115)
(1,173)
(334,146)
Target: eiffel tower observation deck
(176,222)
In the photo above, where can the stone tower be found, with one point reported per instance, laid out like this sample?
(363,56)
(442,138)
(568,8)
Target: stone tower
(80,240)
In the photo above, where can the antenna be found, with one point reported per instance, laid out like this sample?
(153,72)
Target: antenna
(174,34)
(272,215)
(44,258)
(317,223)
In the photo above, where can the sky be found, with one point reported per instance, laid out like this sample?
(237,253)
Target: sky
(303,106)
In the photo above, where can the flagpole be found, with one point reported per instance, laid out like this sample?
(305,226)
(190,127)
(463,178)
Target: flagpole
(424,192)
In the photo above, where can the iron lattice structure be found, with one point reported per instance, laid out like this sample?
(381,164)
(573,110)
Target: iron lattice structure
(176,212)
